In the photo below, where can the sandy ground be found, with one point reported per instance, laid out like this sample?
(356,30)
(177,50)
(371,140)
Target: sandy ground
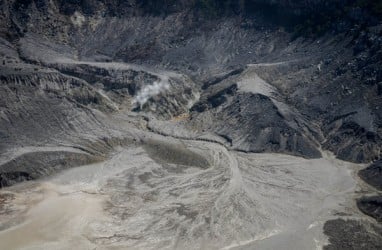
(143,199)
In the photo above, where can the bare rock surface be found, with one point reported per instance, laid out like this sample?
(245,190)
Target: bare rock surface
(373,174)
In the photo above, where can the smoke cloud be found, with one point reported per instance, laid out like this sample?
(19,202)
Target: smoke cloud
(150,91)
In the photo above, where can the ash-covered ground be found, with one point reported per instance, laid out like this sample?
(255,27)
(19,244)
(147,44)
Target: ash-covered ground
(190,125)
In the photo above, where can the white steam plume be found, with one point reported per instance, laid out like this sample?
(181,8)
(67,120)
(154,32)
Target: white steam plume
(150,91)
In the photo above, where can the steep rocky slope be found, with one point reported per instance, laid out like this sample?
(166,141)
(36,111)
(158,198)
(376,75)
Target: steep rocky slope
(80,79)
(325,79)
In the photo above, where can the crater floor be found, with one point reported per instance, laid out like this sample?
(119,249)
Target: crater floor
(145,198)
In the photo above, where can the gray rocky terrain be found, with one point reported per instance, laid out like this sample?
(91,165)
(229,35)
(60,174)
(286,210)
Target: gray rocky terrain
(190,124)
